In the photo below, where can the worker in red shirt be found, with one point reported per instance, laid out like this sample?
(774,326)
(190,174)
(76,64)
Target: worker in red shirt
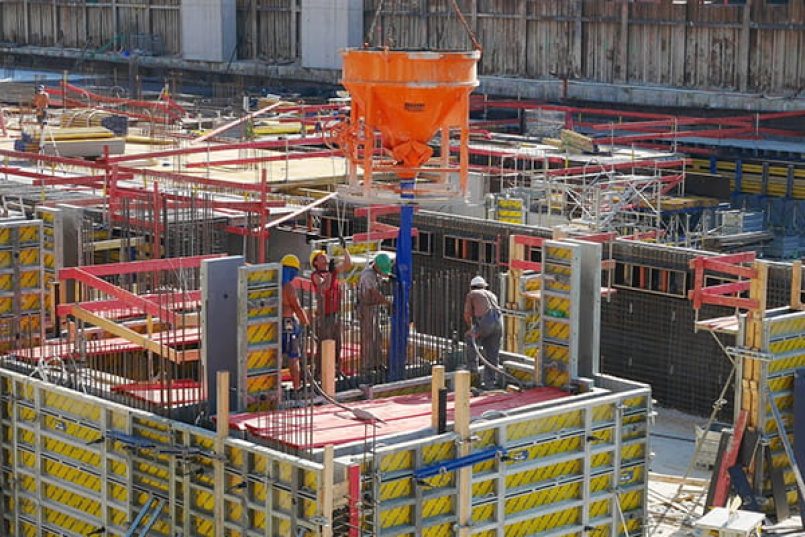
(41,103)
(327,289)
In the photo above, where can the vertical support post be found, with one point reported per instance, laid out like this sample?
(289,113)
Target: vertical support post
(402,287)
(789,182)
(743,60)
(796,285)
(464,149)
(578,28)
(115,28)
(222,431)
(753,339)
(55,21)
(445,156)
(354,480)
(462,429)
(436,384)
(261,236)
(739,176)
(254,34)
(522,23)
(327,491)
(328,366)
(294,37)
(622,69)
(27,21)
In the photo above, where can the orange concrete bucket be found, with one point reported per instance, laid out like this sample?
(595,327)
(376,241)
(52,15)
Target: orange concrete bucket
(409,95)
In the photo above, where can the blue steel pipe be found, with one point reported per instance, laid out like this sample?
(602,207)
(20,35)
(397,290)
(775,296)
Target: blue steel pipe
(402,289)
(460,462)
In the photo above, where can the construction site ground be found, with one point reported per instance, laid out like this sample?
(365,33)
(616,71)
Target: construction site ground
(673,446)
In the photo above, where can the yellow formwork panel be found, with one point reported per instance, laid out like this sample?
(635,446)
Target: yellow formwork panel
(787,345)
(779,365)
(6,306)
(785,325)
(544,523)
(262,276)
(262,359)
(281,526)
(441,530)
(28,530)
(572,419)
(72,406)
(262,303)
(397,516)
(262,333)
(28,257)
(28,233)
(202,526)
(73,524)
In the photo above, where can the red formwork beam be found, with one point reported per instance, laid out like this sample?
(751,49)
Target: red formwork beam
(270,158)
(535,105)
(266,144)
(728,294)
(97,306)
(126,297)
(48,179)
(149,265)
(636,164)
(674,122)
(707,133)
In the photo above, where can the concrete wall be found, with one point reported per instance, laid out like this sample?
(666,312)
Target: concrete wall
(327,27)
(208,30)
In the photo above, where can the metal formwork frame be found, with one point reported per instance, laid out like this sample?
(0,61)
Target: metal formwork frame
(259,355)
(576,465)
(21,281)
(781,353)
(559,312)
(78,463)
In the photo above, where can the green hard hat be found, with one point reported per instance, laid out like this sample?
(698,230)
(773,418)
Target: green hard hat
(383,264)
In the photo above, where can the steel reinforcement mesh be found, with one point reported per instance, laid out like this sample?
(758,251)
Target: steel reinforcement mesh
(650,338)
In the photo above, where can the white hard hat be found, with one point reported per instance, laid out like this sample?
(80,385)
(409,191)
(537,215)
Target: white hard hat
(478,281)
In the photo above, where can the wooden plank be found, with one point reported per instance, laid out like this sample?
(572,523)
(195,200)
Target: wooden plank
(462,429)
(160,349)
(722,487)
(436,384)
(796,285)
(222,432)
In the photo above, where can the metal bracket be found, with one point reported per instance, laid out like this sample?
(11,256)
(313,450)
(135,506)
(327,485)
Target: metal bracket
(743,352)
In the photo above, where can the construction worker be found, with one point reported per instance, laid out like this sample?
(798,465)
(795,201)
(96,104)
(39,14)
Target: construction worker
(293,318)
(370,299)
(41,103)
(482,314)
(327,289)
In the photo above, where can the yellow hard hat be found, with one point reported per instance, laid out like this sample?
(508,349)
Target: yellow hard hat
(316,253)
(290,260)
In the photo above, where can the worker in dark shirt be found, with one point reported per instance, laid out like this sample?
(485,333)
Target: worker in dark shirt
(483,315)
